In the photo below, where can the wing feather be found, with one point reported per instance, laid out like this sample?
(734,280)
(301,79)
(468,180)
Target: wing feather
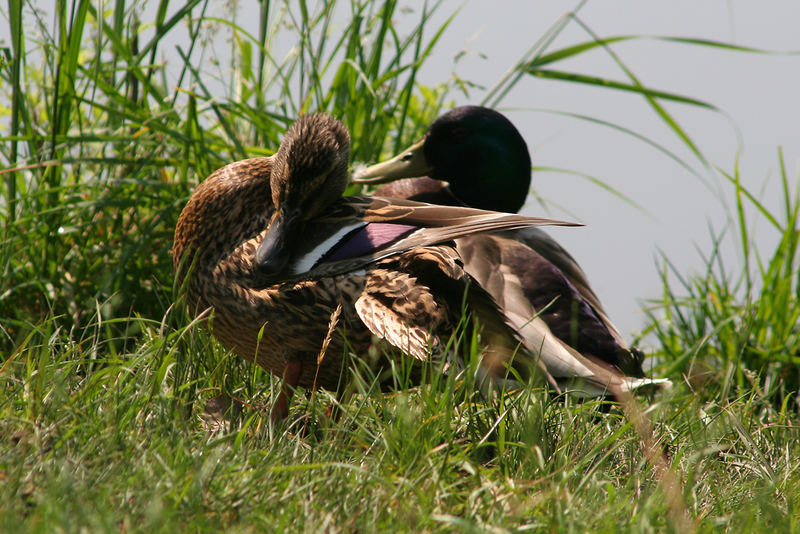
(396,308)
(436,225)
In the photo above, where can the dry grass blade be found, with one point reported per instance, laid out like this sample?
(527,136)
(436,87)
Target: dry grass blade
(670,485)
(332,324)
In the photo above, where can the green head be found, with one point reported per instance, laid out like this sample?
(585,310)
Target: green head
(478,151)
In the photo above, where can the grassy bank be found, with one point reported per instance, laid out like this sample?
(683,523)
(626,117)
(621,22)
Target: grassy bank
(105,420)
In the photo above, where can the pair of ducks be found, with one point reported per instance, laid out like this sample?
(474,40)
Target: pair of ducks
(297,274)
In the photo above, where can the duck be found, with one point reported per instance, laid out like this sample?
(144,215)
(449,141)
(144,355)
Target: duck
(288,273)
(475,156)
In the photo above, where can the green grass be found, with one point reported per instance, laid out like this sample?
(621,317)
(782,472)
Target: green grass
(120,441)
(738,328)
(104,424)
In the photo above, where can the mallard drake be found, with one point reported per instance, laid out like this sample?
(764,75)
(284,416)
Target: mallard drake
(474,156)
(271,246)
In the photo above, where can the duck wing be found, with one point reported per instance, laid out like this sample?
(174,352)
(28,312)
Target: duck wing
(501,266)
(552,251)
(358,231)
(415,299)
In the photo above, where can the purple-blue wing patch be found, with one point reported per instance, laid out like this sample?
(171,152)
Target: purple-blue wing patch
(366,240)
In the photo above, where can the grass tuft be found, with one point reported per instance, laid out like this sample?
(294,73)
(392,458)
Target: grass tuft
(738,329)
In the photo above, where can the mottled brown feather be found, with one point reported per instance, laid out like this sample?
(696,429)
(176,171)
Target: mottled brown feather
(410,294)
(274,323)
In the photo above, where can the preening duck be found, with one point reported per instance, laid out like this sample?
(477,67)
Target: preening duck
(474,156)
(271,246)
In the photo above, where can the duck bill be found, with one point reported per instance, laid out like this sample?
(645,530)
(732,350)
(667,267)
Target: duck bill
(408,164)
(272,254)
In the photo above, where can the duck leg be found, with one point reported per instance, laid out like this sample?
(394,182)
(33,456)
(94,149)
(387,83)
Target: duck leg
(291,377)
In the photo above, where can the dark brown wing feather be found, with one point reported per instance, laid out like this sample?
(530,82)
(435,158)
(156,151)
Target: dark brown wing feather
(440,224)
(416,313)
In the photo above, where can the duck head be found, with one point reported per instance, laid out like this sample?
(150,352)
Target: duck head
(309,173)
(476,150)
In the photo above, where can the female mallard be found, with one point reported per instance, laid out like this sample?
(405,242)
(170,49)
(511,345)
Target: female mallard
(270,245)
(474,156)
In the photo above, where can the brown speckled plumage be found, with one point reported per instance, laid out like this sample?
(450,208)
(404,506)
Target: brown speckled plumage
(219,230)
(410,291)
(225,221)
